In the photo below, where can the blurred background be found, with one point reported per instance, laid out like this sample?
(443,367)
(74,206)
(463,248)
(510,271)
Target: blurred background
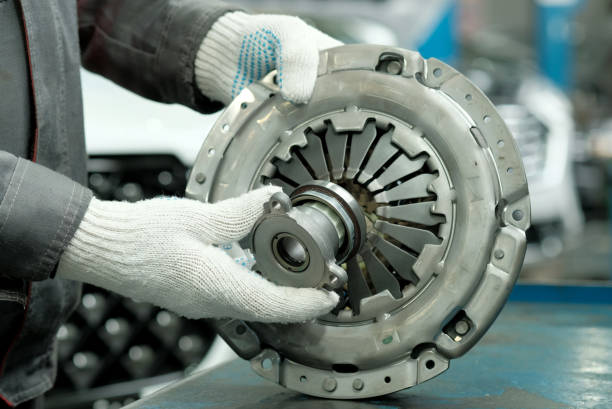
(546,66)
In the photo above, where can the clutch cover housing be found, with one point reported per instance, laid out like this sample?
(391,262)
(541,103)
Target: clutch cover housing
(443,192)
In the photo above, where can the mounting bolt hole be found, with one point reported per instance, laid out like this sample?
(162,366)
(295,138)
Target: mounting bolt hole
(225,128)
(240,329)
(211,151)
(486,119)
(430,364)
(500,143)
(275,205)
(266,364)
(303,378)
(437,72)
(468,97)
(244,105)
(387,379)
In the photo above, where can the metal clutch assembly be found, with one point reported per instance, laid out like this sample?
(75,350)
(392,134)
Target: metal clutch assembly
(403,191)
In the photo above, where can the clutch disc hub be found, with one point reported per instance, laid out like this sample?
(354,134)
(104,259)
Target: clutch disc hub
(415,188)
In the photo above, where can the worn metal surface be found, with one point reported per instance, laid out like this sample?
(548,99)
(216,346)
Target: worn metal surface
(442,187)
(536,356)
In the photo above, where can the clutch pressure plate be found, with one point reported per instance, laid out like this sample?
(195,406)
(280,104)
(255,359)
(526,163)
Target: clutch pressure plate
(399,171)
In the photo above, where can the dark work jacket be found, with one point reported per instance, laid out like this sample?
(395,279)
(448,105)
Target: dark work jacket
(147,46)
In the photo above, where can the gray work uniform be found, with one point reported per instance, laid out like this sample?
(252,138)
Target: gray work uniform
(147,46)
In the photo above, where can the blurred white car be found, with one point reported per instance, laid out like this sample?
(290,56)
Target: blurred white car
(541,120)
(120,122)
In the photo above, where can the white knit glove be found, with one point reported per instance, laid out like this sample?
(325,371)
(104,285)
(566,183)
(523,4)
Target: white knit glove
(161,251)
(242,48)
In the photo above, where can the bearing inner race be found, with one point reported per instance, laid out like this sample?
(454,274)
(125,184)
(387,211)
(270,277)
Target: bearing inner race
(290,252)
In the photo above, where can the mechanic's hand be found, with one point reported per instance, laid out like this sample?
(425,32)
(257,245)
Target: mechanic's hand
(241,48)
(161,251)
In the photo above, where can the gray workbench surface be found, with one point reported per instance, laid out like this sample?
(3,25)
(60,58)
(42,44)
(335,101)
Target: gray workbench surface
(536,356)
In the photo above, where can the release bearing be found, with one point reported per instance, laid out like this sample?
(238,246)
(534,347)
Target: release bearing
(301,240)
(404,192)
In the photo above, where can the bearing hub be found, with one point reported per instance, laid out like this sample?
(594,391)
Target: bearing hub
(308,241)
(419,194)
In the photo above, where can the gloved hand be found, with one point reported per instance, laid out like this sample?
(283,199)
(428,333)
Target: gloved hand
(161,251)
(242,48)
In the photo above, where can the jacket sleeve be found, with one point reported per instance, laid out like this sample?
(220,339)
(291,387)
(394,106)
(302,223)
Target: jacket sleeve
(39,212)
(149,46)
